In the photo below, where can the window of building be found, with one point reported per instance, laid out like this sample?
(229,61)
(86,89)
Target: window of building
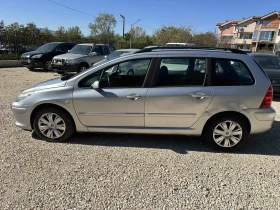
(267,36)
(266,22)
(255,35)
(245,36)
(178,72)
(227,72)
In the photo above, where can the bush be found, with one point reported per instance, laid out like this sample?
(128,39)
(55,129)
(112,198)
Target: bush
(8,57)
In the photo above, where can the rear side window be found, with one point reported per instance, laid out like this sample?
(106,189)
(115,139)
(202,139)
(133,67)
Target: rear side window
(112,48)
(226,72)
(184,71)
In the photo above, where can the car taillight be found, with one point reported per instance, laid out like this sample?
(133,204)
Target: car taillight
(267,100)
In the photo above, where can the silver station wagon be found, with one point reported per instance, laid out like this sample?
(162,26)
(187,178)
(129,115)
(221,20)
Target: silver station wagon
(220,94)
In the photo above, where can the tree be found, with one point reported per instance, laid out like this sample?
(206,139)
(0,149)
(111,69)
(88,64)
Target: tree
(208,39)
(137,32)
(103,27)
(46,35)
(172,34)
(74,33)
(60,32)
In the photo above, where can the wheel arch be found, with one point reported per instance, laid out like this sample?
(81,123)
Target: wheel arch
(225,114)
(48,105)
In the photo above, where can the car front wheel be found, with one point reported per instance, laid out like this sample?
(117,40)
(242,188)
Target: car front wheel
(53,124)
(226,133)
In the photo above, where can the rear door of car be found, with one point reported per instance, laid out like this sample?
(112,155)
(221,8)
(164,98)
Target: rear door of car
(179,96)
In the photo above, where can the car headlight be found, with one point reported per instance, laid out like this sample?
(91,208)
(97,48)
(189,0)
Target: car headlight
(37,56)
(70,61)
(28,56)
(23,96)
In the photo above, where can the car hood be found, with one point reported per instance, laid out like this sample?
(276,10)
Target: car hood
(53,83)
(33,53)
(69,56)
(272,73)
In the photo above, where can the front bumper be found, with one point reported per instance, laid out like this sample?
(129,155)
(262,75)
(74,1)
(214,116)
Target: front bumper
(63,68)
(22,115)
(31,63)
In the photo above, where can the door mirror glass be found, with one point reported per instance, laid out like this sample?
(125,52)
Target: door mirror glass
(95,85)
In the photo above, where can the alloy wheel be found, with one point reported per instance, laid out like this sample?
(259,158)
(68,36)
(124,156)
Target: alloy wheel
(48,65)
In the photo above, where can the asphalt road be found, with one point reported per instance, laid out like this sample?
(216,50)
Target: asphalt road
(121,171)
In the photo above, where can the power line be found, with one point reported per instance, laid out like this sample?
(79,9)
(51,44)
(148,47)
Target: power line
(62,5)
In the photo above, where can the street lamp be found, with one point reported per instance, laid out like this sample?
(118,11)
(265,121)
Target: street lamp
(123,17)
(131,31)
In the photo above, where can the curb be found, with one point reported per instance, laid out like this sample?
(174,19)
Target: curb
(10,63)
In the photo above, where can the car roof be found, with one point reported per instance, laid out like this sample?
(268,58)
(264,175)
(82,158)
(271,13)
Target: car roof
(263,55)
(127,49)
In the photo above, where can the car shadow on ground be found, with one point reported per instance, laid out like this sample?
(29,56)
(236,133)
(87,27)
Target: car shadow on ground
(267,143)
(276,98)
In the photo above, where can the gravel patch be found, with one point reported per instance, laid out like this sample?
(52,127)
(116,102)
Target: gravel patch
(121,171)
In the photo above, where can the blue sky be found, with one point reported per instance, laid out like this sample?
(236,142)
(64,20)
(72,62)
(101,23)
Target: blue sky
(203,15)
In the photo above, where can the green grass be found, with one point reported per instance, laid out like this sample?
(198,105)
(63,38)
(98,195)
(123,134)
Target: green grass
(8,57)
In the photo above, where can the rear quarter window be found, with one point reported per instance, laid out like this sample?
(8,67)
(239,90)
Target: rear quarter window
(230,72)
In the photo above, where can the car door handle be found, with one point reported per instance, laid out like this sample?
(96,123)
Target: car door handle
(199,95)
(134,97)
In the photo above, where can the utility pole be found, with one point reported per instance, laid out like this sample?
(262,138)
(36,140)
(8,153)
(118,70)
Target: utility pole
(131,31)
(123,17)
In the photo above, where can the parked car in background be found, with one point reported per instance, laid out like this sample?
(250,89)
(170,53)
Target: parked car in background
(179,45)
(271,66)
(116,54)
(219,101)
(81,57)
(42,57)
(246,50)
(277,53)
(3,50)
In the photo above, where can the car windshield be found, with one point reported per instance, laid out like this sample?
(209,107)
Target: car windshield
(47,47)
(268,62)
(81,49)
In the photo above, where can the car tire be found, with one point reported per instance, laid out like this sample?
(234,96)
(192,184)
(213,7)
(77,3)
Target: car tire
(83,67)
(226,133)
(53,124)
(130,72)
(47,66)
(31,69)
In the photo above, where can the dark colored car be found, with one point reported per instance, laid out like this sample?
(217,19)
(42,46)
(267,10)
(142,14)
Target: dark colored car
(271,66)
(42,57)
(277,53)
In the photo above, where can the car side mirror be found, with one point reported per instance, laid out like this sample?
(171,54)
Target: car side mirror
(95,85)
(105,56)
(93,53)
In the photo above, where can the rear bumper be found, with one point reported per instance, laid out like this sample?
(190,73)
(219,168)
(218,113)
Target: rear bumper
(261,120)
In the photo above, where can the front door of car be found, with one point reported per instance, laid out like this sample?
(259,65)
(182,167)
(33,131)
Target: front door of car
(95,58)
(179,97)
(118,102)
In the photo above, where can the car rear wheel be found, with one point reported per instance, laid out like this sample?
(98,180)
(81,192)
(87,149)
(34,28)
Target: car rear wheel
(130,72)
(226,133)
(53,124)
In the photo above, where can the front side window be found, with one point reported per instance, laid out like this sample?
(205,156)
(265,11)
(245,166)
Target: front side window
(178,72)
(62,48)
(225,72)
(97,49)
(105,50)
(268,62)
(129,74)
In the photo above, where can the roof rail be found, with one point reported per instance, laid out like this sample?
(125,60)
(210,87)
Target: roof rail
(192,47)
